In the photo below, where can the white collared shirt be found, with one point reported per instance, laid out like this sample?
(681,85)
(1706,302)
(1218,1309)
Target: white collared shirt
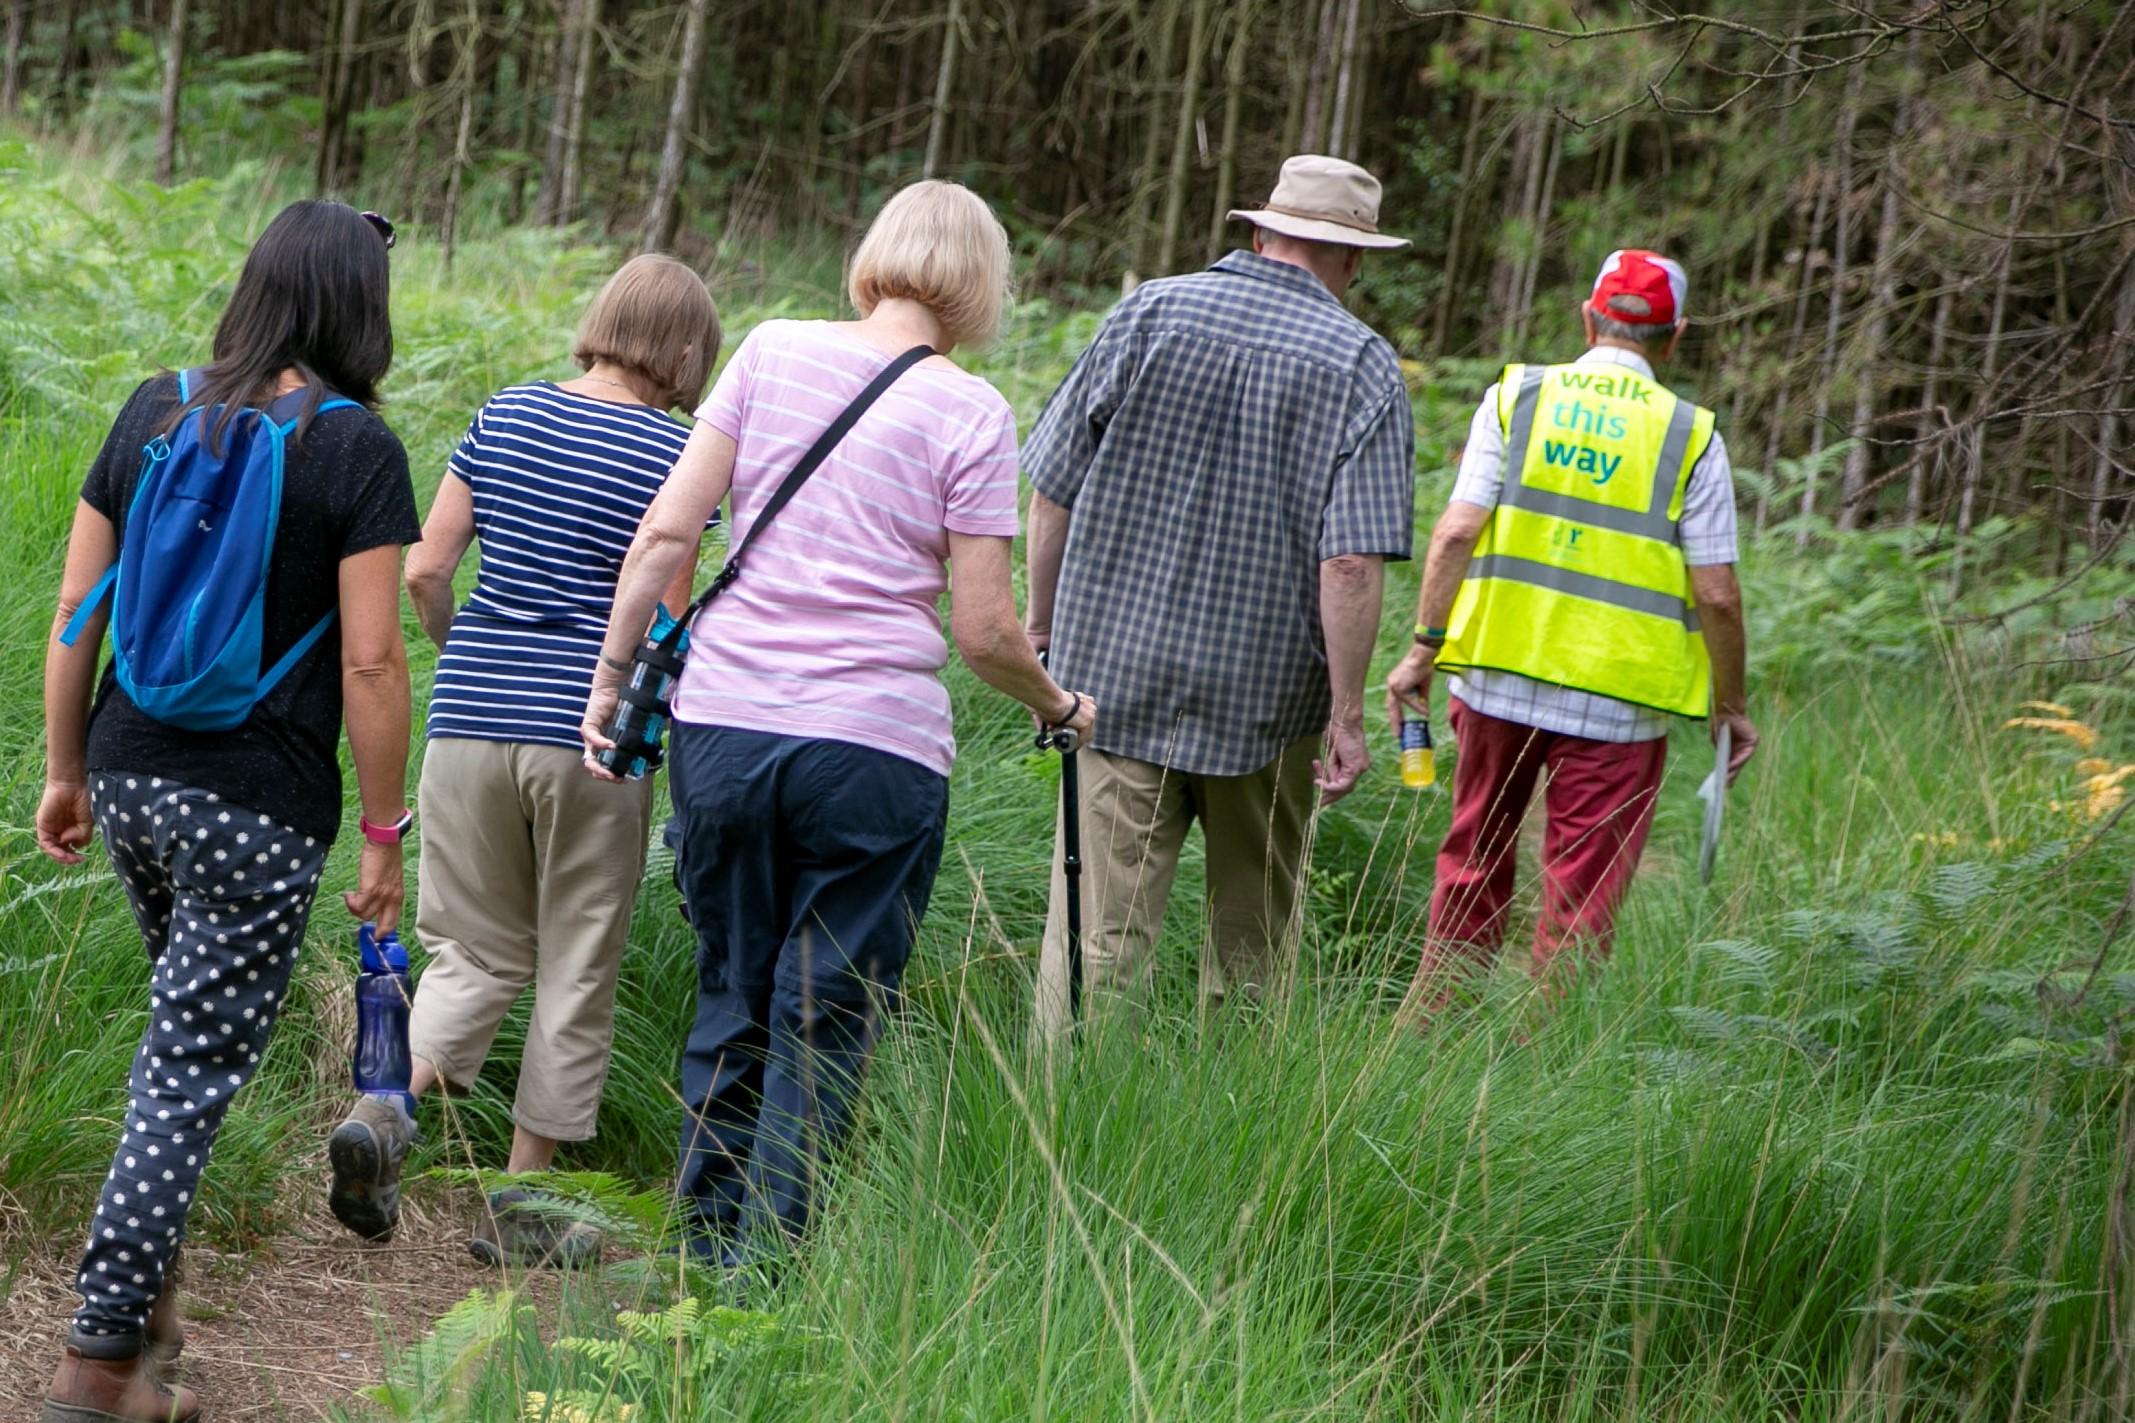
(1709,538)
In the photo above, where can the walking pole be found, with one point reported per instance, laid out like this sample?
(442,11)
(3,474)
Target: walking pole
(1071,863)
(1062,739)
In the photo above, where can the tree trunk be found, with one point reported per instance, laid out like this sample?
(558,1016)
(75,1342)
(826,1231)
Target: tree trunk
(1882,296)
(1147,233)
(1523,189)
(1339,141)
(337,80)
(574,137)
(1928,433)
(1835,311)
(1524,307)
(944,86)
(68,53)
(1233,109)
(462,142)
(18,16)
(548,197)
(1182,139)
(2109,419)
(1449,278)
(1795,334)
(1312,136)
(167,112)
(661,214)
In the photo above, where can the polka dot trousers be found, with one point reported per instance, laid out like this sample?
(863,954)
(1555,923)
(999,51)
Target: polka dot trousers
(222,895)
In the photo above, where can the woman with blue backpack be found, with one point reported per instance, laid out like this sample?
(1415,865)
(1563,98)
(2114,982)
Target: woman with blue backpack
(240,534)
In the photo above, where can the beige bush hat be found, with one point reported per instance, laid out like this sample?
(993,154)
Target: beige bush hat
(1322,199)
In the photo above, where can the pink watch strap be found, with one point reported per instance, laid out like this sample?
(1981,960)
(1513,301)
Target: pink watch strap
(386,834)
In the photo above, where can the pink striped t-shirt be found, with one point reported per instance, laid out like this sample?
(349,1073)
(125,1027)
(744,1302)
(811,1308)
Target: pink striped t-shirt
(833,629)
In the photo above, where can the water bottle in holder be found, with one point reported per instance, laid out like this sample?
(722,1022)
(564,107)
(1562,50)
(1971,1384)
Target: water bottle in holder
(645,703)
(382,1064)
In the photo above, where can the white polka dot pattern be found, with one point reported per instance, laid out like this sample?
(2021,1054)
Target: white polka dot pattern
(202,923)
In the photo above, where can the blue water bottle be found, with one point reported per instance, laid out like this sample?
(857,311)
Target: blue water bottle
(382,1063)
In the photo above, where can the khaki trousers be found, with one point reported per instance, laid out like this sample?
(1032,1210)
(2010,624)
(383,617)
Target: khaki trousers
(1134,821)
(528,874)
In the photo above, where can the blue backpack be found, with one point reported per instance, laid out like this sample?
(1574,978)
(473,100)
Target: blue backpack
(189,592)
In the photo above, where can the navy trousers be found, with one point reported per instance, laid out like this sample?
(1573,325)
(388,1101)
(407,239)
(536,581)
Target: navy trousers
(805,867)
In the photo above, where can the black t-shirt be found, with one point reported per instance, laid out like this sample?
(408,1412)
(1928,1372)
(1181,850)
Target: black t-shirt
(345,489)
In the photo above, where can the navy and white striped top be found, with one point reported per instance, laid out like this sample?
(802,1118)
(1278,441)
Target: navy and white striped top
(560,483)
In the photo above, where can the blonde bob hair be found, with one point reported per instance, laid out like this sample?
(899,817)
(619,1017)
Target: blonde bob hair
(656,319)
(936,243)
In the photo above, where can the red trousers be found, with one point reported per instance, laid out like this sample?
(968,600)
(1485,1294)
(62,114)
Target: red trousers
(1599,798)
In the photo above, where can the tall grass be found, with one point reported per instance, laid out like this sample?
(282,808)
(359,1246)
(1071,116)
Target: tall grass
(1816,1144)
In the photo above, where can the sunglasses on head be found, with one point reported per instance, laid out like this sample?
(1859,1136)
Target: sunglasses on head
(383,227)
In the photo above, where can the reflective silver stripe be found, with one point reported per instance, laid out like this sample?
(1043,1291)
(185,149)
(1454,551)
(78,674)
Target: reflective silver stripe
(1585,511)
(1523,424)
(1673,448)
(1585,585)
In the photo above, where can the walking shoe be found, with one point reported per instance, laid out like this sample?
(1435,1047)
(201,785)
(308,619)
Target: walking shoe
(88,1390)
(366,1152)
(525,1228)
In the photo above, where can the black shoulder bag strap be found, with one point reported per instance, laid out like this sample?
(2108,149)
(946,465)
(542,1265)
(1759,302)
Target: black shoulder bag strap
(791,484)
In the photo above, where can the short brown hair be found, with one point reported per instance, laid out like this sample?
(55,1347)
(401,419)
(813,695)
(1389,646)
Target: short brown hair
(937,243)
(655,318)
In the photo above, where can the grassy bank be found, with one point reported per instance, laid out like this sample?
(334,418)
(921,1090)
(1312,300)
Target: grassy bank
(1814,1147)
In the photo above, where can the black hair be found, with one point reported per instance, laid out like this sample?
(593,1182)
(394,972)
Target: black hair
(313,297)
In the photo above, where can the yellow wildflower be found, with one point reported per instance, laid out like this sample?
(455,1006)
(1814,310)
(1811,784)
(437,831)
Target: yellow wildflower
(2093,766)
(2084,736)
(2049,708)
(536,1409)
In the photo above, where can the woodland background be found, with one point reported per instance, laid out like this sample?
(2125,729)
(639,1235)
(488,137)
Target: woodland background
(1909,225)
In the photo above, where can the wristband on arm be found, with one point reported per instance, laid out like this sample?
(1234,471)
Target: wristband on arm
(391,834)
(1433,638)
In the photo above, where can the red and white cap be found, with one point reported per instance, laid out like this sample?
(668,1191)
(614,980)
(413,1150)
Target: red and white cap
(1640,288)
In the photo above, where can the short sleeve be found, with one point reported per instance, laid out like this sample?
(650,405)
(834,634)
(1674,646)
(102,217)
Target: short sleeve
(467,455)
(981,490)
(108,486)
(1481,479)
(381,510)
(729,401)
(1064,443)
(1371,506)
(1708,528)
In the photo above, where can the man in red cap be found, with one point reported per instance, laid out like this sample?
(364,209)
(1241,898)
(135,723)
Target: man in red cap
(1580,587)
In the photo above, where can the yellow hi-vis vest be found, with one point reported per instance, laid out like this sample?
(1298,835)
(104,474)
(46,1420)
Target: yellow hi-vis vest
(1579,576)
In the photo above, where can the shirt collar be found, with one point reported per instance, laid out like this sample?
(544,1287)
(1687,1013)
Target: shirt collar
(1618,356)
(1244,263)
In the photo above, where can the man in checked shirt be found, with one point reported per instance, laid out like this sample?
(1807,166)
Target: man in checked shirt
(1581,587)
(1219,480)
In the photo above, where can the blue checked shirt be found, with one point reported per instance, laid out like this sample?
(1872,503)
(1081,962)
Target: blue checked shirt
(1225,433)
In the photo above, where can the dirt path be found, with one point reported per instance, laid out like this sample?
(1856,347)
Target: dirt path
(287,1333)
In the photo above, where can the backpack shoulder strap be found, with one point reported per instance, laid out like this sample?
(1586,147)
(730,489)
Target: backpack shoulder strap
(837,430)
(282,414)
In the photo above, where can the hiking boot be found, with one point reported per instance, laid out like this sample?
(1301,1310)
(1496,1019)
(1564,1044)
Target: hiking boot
(526,1228)
(86,1390)
(366,1151)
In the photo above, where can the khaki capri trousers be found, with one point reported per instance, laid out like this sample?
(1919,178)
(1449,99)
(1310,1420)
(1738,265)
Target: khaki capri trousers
(528,874)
